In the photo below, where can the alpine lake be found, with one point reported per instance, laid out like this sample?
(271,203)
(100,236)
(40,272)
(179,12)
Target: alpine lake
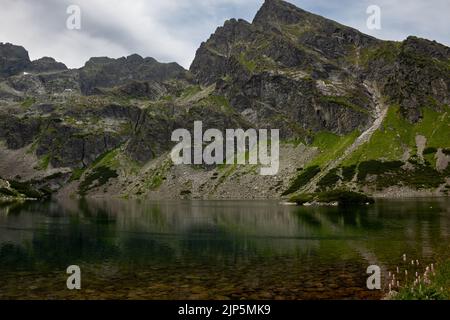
(138,249)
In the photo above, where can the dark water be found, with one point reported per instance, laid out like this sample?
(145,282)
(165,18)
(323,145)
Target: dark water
(211,249)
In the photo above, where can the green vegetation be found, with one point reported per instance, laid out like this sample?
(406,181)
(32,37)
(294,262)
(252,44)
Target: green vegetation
(190,91)
(374,167)
(379,157)
(342,197)
(387,53)
(344,102)
(303,198)
(422,60)
(434,284)
(422,177)
(126,128)
(97,178)
(391,173)
(109,158)
(44,162)
(398,135)
(8,193)
(26,189)
(331,146)
(250,65)
(103,169)
(388,142)
(28,102)
(435,126)
(225,172)
(185,192)
(76,174)
(167,98)
(156,181)
(302,179)
(421,292)
(296,30)
(348,173)
(157,176)
(217,102)
(329,180)
(106,159)
(430,150)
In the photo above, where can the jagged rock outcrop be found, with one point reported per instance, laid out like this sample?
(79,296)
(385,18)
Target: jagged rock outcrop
(132,76)
(149,89)
(271,69)
(414,74)
(13,60)
(322,35)
(46,64)
(107,73)
(422,78)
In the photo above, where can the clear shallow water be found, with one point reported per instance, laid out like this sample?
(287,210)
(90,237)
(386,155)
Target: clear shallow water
(211,249)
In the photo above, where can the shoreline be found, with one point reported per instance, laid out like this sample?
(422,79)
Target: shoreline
(281,200)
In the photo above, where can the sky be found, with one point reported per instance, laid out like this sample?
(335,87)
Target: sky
(172,30)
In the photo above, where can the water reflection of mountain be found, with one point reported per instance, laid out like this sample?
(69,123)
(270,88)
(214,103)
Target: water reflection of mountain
(63,232)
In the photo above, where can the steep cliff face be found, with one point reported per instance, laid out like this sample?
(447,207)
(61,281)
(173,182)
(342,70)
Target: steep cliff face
(288,64)
(414,73)
(422,78)
(353,111)
(13,59)
(107,73)
(46,64)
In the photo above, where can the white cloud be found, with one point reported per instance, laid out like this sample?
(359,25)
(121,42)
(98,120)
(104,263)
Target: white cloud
(172,30)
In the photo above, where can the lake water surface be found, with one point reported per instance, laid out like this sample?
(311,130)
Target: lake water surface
(129,249)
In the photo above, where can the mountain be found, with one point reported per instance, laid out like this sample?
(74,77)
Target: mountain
(13,59)
(286,51)
(107,73)
(354,112)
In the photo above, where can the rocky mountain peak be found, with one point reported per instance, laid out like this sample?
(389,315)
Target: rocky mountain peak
(47,64)
(232,30)
(428,48)
(281,35)
(309,29)
(13,59)
(98,61)
(280,12)
(135,58)
(103,72)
